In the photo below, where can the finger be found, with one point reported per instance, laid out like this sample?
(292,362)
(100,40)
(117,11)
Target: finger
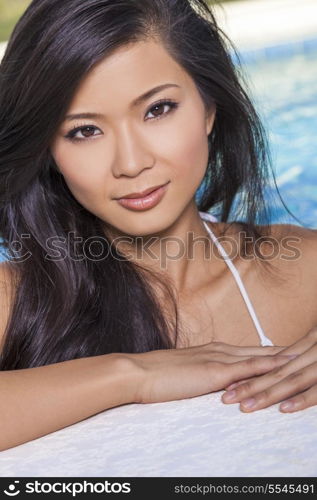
(236,384)
(302,345)
(289,386)
(240,389)
(239,382)
(301,401)
(229,358)
(257,365)
(258,384)
(247,350)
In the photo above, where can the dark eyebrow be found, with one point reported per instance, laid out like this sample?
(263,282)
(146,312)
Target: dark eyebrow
(134,103)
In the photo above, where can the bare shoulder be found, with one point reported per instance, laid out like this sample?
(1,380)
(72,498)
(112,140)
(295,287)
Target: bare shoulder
(297,248)
(285,290)
(294,242)
(306,234)
(4,270)
(297,263)
(7,288)
(5,276)
(304,240)
(8,275)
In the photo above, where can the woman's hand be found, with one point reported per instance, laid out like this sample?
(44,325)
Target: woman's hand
(170,374)
(295,383)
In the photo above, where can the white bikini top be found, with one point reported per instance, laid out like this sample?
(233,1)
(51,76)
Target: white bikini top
(265,341)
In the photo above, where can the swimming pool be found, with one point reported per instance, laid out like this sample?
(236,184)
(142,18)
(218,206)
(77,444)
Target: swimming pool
(284,90)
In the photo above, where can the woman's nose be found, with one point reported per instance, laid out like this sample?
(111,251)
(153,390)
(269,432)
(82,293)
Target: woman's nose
(132,156)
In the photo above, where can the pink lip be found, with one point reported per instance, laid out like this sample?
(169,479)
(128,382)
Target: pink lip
(141,194)
(144,202)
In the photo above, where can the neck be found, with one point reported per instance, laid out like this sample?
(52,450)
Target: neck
(182,252)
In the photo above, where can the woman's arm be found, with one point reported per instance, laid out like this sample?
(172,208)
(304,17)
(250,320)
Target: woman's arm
(37,401)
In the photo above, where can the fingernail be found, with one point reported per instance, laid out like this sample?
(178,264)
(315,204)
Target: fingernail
(248,403)
(229,395)
(288,405)
(231,386)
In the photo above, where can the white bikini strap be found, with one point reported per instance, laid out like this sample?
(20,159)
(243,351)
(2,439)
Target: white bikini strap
(265,341)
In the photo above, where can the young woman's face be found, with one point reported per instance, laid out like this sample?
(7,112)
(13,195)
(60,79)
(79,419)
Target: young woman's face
(135,143)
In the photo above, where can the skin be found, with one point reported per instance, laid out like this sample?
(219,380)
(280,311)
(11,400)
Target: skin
(298,378)
(127,150)
(133,152)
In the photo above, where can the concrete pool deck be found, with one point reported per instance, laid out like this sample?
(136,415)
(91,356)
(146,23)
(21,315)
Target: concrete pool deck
(254,24)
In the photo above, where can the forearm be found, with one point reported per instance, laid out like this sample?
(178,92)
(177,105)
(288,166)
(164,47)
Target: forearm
(37,401)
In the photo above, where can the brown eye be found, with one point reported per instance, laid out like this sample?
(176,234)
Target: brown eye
(89,133)
(156,109)
(161,109)
(86,132)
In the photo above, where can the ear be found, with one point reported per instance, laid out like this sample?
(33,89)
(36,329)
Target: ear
(210,118)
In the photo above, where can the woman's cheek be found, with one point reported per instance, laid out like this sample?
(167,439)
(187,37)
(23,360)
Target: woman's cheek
(83,171)
(192,153)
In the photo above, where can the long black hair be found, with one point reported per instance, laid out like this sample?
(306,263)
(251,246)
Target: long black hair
(71,307)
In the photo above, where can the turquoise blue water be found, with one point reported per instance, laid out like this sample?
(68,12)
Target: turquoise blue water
(285,93)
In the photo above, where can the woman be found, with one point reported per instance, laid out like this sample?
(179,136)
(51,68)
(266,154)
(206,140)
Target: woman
(112,300)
